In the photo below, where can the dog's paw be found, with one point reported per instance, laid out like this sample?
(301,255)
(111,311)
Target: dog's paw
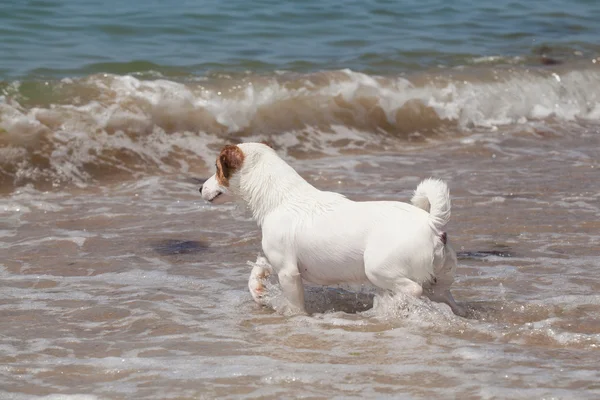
(257,284)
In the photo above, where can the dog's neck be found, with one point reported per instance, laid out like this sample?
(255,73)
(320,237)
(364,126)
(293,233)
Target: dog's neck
(270,183)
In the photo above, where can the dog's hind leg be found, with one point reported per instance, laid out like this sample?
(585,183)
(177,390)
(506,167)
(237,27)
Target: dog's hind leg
(439,288)
(396,285)
(258,277)
(387,271)
(443,295)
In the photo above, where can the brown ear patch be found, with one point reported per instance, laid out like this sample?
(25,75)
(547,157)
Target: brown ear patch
(229,161)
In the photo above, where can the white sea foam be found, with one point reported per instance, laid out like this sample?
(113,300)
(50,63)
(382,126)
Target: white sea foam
(130,125)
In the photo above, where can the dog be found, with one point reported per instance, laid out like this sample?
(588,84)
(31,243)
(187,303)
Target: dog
(327,239)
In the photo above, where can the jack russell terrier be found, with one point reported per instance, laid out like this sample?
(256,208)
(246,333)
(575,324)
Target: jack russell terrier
(327,239)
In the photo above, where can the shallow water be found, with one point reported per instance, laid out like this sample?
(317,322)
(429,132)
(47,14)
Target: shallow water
(117,281)
(139,288)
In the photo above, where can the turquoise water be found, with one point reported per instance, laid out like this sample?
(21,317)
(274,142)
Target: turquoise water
(71,37)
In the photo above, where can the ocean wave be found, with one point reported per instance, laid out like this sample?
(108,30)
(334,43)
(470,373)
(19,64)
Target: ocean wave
(78,130)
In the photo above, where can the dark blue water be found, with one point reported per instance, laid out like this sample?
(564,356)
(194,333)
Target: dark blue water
(71,37)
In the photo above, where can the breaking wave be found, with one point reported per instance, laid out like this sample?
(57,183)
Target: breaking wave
(82,129)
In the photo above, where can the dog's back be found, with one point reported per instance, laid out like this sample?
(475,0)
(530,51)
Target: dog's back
(331,244)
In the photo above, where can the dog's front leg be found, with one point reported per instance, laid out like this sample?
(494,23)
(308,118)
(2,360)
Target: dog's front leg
(261,270)
(280,252)
(291,285)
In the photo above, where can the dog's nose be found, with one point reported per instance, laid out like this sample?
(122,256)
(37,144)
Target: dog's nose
(200,190)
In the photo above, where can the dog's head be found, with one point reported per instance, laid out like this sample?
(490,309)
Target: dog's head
(228,164)
(234,162)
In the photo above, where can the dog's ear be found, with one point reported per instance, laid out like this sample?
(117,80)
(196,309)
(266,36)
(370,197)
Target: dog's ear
(231,159)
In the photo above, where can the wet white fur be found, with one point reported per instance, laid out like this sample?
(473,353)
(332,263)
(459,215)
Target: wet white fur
(325,238)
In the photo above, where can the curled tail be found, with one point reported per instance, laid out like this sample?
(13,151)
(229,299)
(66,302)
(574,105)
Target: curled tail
(432,195)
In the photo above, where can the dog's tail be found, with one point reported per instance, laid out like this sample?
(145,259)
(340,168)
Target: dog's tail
(432,195)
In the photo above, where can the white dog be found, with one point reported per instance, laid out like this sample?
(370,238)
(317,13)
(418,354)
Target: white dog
(325,238)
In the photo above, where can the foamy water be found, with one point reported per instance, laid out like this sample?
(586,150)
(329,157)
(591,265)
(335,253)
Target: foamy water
(115,127)
(138,289)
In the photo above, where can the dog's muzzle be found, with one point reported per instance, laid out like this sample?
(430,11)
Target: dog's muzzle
(212,198)
(211,190)
(215,196)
